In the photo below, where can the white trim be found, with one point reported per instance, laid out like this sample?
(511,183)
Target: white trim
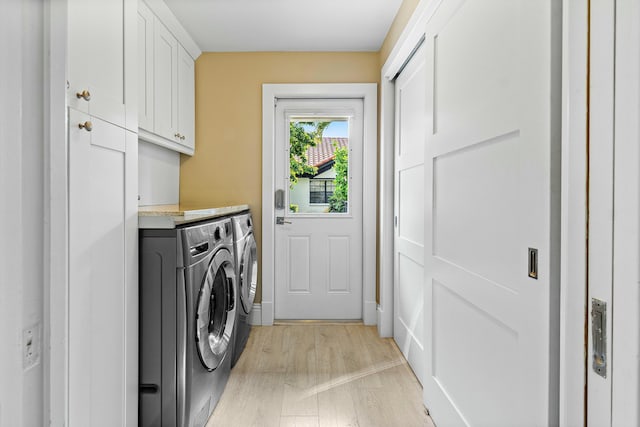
(255,317)
(385,328)
(169,20)
(573,216)
(367,92)
(56,296)
(12,259)
(387,132)
(625,369)
(409,39)
(164,142)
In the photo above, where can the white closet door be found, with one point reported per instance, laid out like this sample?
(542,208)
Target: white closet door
(492,193)
(411,111)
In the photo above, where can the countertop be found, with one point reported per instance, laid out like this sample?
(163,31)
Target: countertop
(172,216)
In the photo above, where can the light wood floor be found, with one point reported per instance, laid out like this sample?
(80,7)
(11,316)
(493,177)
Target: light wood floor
(320,375)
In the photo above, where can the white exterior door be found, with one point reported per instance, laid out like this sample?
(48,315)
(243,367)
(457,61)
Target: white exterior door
(318,256)
(411,110)
(492,193)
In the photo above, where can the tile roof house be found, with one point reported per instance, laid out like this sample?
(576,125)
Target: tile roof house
(322,155)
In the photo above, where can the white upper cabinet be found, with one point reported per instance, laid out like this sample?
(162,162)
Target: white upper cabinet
(165,83)
(186,98)
(98,78)
(145,67)
(166,91)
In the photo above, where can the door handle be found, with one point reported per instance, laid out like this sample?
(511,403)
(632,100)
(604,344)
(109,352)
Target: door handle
(280,221)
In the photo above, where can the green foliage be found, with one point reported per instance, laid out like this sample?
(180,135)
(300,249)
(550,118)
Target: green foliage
(294,208)
(299,141)
(340,197)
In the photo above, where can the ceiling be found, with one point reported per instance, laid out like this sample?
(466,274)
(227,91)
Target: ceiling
(286,25)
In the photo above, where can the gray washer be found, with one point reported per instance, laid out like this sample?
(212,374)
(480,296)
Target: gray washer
(247,278)
(187,317)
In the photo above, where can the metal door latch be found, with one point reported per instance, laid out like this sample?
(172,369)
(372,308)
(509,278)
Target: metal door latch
(280,221)
(599,336)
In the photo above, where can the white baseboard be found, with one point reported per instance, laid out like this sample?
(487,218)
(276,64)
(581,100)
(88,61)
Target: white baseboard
(267,313)
(385,327)
(259,316)
(255,318)
(370,316)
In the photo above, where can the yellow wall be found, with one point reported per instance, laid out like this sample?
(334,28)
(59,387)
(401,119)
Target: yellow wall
(399,23)
(227,166)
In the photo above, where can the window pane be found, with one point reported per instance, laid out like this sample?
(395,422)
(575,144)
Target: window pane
(321,190)
(318,157)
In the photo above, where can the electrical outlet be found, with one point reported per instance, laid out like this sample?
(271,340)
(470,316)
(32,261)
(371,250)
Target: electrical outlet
(31,345)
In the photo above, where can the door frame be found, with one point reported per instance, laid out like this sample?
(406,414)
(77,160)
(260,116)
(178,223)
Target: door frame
(368,93)
(56,250)
(625,310)
(573,222)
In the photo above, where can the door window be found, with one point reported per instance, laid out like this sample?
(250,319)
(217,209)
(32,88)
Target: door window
(318,165)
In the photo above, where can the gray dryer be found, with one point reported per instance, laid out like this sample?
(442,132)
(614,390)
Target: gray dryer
(187,318)
(247,278)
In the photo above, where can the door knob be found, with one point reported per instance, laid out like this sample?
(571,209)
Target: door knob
(88,126)
(84,95)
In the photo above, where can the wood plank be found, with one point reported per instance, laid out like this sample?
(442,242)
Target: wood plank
(324,375)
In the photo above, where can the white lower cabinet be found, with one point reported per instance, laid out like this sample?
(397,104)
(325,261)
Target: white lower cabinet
(103,293)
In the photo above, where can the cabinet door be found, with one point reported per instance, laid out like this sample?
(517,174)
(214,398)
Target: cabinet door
(102,274)
(96,40)
(186,98)
(145,67)
(165,65)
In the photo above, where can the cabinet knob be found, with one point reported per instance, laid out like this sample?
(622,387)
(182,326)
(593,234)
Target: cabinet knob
(177,135)
(88,126)
(182,137)
(84,95)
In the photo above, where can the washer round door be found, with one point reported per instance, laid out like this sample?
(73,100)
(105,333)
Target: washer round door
(248,274)
(215,317)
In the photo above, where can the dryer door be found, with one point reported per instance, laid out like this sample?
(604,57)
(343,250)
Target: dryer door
(248,273)
(215,317)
